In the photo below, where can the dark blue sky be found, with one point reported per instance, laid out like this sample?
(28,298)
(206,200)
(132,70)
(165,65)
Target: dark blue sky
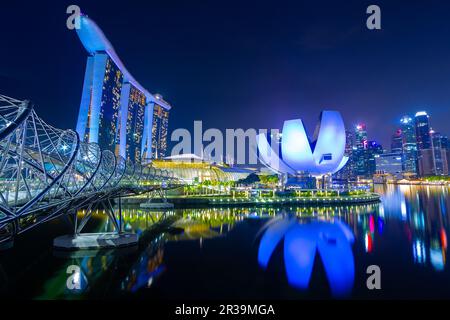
(242,63)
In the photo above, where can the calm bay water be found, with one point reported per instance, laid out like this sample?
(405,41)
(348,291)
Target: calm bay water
(256,253)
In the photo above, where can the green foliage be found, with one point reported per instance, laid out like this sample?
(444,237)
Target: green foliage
(207,183)
(437,178)
(286,194)
(250,179)
(269,180)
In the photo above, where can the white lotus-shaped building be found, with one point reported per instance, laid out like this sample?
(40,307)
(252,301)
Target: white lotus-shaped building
(324,155)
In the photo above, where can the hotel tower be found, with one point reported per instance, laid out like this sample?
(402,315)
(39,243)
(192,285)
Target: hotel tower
(116,112)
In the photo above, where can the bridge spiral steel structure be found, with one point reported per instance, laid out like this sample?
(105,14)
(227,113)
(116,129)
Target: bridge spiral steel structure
(46,172)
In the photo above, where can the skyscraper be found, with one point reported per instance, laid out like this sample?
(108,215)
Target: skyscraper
(346,173)
(446,146)
(361,136)
(363,153)
(425,158)
(159,128)
(423,130)
(374,149)
(426,163)
(359,153)
(409,145)
(397,142)
(444,142)
(116,111)
(439,153)
(389,163)
(135,124)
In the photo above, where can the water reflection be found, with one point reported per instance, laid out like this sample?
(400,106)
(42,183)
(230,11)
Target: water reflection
(80,273)
(184,250)
(189,225)
(148,267)
(423,212)
(94,266)
(302,239)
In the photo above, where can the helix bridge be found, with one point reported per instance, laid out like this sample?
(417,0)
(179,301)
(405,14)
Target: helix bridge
(46,172)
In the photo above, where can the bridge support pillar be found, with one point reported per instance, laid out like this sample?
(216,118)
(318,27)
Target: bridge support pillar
(157,194)
(100,240)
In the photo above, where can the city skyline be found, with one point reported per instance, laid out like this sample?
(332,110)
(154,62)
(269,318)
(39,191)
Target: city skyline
(383,79)
(310,158)
(121,116)
(415,150)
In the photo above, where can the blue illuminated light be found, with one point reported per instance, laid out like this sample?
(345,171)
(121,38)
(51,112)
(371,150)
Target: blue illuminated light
(324,155)
(301,241)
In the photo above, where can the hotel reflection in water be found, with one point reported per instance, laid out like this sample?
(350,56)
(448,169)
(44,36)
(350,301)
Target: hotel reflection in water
(331,233)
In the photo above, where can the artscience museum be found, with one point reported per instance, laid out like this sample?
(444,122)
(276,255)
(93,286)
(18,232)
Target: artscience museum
(323,155)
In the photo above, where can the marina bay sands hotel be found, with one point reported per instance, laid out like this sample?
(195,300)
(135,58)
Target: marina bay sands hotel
(116,112)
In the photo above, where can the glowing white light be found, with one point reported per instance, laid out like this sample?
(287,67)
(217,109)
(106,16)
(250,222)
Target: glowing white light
(419,252)
(403,209)
(381,212)
(437,259)
(405,120)
(421,113)
(367,242)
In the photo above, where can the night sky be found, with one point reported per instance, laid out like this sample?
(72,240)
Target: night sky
(242,64)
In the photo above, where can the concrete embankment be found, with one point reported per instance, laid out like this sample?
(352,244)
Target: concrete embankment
(181,202)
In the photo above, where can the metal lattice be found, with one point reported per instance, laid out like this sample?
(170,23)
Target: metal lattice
(46,172)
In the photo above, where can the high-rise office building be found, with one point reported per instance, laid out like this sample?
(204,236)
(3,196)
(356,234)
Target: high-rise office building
(346,173)
(444,142)
(389,163)
(364,159)
(423,130)
(363,153)
(361,136)
(439,153)
(359,152)
(397,142)
(349,142)
(409,145)
(116,111)
(426,164)
(446,147)
(425,157)
(374,149)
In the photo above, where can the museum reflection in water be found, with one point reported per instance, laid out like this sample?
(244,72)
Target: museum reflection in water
(418,216)
(302,240)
